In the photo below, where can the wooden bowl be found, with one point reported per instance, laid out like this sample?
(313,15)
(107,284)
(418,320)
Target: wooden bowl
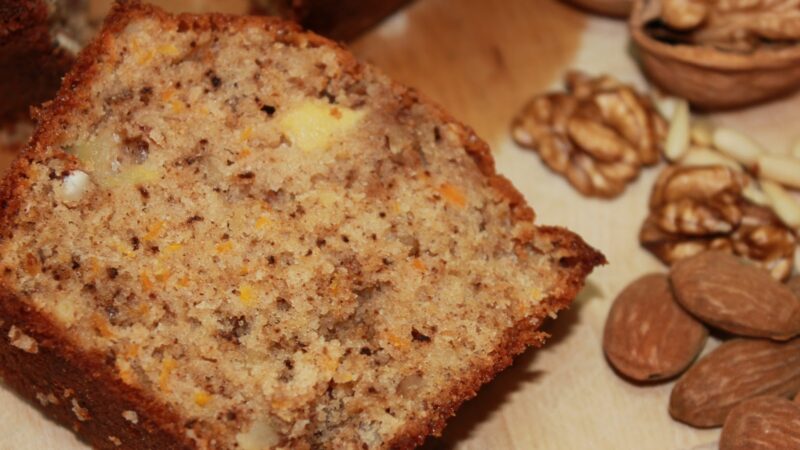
(710,78)
(613,8)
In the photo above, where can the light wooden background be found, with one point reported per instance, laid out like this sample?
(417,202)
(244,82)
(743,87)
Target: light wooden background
(482,60)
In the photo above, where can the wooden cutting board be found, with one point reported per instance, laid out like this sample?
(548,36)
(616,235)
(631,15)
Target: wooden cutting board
(482,60)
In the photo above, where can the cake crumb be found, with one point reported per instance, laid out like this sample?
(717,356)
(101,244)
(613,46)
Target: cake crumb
(81,413)
(48,399)
(22,341)
(131,416)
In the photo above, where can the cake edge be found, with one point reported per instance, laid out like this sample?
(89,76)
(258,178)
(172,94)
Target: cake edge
(60,364)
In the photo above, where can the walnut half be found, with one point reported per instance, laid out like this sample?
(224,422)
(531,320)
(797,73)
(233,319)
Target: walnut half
(598,134)
(693,209)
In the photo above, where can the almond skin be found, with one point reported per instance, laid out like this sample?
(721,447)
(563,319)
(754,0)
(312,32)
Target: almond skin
(794,285)
(762,423)
(737,370)
(648,336)
(725,293)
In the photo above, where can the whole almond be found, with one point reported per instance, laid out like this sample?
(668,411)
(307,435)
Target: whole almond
(762,423)
(737,370)
(648,336)
(726,293)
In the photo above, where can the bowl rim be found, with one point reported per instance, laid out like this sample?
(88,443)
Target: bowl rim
(709,57)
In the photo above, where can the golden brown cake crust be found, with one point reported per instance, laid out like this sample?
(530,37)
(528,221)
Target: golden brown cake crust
(59,365)
(58,374)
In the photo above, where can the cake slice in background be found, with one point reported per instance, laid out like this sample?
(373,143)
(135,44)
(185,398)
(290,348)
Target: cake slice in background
(37,41)
(229,233)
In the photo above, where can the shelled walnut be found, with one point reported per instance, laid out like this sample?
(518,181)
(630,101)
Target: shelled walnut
(696,208)
(736,25)
(597,134)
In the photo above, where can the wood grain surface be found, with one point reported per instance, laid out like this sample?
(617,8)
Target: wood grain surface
(482,60)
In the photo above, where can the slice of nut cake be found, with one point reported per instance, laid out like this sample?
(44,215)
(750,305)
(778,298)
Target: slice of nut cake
(228,233)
